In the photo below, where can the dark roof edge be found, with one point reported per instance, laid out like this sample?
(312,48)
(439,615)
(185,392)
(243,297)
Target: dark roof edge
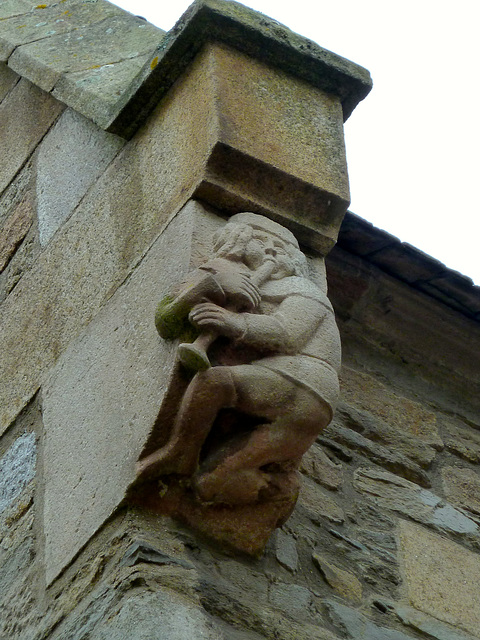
(250,32)
(407,263)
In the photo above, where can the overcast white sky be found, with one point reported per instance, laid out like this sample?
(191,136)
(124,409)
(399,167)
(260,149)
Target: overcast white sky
(413,143)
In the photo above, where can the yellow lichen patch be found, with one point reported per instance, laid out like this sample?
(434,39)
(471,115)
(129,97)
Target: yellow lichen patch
(154,63)
(41,6)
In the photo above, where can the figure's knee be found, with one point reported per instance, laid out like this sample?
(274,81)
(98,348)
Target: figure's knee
(214,384)
(311,412)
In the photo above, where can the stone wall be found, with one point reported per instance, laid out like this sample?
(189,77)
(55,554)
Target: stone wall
(384,543)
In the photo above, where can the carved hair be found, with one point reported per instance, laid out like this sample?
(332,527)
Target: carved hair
(231,241)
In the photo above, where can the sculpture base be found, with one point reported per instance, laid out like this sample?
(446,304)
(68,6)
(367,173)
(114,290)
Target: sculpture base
(242,528)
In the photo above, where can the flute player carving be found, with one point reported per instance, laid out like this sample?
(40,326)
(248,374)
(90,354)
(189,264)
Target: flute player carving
(244,422)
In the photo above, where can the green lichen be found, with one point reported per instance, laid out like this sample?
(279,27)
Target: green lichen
(171,323)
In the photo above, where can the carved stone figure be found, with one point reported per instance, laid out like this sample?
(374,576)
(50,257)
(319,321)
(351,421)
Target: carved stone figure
(269,383)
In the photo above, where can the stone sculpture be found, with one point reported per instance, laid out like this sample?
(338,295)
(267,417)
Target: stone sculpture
(269,383)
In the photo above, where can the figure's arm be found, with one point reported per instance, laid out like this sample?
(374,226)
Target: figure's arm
(287,330)
(220,281)
(171,317)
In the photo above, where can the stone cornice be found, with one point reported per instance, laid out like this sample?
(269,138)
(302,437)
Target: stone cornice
(250,32)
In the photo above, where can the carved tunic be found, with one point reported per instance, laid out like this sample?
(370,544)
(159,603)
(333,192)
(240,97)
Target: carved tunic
(296,318)
(292,332)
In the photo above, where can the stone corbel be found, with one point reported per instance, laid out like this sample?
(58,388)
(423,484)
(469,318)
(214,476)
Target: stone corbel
(251,392)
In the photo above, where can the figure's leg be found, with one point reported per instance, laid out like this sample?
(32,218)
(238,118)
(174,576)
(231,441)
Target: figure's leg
(296,418)
(208,392)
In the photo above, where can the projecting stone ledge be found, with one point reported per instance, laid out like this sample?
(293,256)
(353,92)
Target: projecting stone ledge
(85,53)
(251,33)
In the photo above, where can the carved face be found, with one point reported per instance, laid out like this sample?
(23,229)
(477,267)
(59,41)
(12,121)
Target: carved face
(263,245)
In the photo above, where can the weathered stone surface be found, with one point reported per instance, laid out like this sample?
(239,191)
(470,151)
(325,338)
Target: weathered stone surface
(409,264)
(428,625)
(264,99)
(244,528)
(113,375)
(374,559)
(108,41)
(365,392)
(11,8)
(461,440)
(387,458)
(14,231)
(245,598)
(249,599)
(462,488)
(286,550)
(407,498)
(455,290)
(237,594)
(18,604)
(255,35)
(441,577)
(42,21)
(318,503)
(358,626)
(360,237)
(18,612)
(319,467)
(343,582)
(94,92)
(18,254)
(379,431)
(15,192)
(71,157)
(140,616)
(242,582)
(17,468)
(37,38)
(20,263)
(25,116)
(8,79)
(292,599)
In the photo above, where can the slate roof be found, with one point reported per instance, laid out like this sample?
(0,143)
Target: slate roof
(113,67)
(409,264)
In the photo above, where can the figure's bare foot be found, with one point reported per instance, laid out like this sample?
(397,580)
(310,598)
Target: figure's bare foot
(163,462)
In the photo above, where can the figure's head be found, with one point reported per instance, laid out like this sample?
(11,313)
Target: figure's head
(252,239)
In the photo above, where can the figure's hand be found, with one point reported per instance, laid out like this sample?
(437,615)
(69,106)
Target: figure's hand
(214,318)
(240,290)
